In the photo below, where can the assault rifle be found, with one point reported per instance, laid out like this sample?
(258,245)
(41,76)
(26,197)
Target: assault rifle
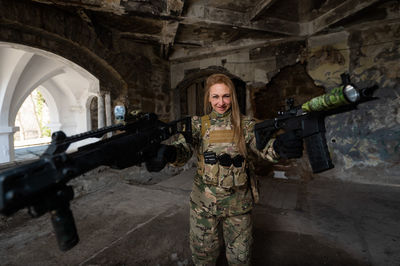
(308,120)
(41,186)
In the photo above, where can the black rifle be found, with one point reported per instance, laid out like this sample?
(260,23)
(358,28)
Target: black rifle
(310,124)
(41,186)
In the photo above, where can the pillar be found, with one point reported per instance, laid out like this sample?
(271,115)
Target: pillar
(108,111)
(107,98)
(7,144)
(100,111)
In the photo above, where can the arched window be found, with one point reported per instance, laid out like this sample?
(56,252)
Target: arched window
(94,118)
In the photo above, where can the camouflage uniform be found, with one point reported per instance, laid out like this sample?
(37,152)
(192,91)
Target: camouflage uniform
(221,195)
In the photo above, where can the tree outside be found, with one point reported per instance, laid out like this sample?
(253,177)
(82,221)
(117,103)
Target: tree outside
(32,120)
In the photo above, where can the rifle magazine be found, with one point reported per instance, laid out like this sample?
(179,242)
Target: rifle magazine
(318,153)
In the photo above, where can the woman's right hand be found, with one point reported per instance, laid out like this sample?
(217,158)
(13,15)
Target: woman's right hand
(289,145)
(165,154)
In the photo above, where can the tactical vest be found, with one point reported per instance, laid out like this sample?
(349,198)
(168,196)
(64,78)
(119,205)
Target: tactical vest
(220,141)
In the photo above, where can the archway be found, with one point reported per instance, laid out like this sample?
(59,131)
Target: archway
(191,90)
(65,86)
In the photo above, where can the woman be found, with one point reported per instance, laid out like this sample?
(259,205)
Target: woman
(223,192)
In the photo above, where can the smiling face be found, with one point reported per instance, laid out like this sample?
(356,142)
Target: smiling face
(220,98)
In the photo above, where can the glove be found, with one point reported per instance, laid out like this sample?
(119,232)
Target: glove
(288,145)
(165,154)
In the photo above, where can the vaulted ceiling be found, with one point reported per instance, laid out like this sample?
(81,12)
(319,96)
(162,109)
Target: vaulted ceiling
(184,27)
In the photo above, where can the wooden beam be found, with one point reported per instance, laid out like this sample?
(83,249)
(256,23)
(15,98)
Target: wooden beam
(206,16)
(112,6)
(175,7)
(182,54)
(141,37)
(338,13)
(261,6)
(168,32)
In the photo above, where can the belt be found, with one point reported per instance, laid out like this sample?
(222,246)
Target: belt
(223,159)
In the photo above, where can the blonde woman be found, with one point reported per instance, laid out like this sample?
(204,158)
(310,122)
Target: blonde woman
(223,192)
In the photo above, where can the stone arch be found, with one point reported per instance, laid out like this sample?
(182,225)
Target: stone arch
(54,111)
(65,87)
(92,122)
(72,41)
(198,77)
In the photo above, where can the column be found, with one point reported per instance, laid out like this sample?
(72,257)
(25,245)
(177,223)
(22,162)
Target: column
(7,144)
(100,111)
(108,111)
(108,108)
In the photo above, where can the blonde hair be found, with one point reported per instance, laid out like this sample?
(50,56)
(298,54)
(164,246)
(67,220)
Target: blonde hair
(238,136)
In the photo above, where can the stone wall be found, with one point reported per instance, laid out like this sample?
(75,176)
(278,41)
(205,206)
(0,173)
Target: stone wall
(133,72)
(365,143)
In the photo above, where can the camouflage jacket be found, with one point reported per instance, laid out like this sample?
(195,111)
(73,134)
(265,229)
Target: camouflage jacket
(220,190)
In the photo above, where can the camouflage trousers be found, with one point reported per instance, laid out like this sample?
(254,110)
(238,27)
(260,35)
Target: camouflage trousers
(205,238)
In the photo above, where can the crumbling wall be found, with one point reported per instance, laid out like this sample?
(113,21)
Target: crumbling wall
(255,66)
(364,144)
(134,73)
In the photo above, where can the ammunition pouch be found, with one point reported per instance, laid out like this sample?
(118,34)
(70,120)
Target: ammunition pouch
(223,159)
(223,170)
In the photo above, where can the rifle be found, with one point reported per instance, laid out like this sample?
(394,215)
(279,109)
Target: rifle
(308,120)
(41,186)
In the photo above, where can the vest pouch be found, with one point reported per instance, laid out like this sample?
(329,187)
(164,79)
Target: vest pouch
(210,175)
(225,176)
(239,176)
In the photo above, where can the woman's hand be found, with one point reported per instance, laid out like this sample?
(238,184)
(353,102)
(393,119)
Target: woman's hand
(289,145)
(165,154)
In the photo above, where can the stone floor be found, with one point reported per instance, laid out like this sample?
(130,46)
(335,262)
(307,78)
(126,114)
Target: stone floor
(321,222)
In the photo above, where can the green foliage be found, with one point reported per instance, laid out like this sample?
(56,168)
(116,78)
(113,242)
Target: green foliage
(40,104)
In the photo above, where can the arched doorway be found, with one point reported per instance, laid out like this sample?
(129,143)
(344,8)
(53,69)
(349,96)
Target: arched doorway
(191,91)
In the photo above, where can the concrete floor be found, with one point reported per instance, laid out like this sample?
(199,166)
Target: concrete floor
(321,222)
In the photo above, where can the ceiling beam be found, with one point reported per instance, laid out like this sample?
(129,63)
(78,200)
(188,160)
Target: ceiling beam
(141,37)
(112,6)
(186,54)
(171,10)
(168,32)
(259,9)
(170,27)
(338,13)
(206,16)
